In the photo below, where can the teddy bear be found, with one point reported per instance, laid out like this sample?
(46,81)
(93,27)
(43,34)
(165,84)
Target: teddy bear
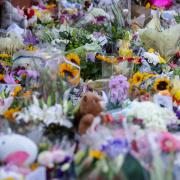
(91,106)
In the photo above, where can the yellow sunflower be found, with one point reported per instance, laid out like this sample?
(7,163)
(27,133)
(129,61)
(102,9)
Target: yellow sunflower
(162,84)
(137,78)
(74,58)
(70,73)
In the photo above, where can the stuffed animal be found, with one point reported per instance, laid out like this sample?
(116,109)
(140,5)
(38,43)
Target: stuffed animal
(91,106)
(9,15)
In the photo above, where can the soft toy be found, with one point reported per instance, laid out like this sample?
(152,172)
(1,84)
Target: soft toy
(91,106)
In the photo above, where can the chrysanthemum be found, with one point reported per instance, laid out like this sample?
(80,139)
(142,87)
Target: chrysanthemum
(137,78)
(162,84)
(74,58)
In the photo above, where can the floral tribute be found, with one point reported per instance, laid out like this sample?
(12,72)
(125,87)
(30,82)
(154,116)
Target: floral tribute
(90,90)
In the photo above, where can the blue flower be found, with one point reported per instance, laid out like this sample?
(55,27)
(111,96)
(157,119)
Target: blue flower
(115,147)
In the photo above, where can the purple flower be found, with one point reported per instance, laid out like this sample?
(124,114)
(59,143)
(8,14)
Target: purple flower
(30,39)
(9,79)
(100,19)
(115,147)
(91,57)
(118,89)
(29,73)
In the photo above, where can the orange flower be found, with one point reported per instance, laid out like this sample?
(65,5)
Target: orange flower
(9,114)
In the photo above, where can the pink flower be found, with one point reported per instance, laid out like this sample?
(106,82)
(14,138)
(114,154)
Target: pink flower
(161,3)
(9,79)
(169,143)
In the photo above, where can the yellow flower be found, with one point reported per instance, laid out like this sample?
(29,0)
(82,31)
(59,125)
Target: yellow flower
(30,48)
(69,72)
(1,77)
(96,154)
(106,59)
(162,84)
(9,178)
(148,5)
(10,112)
(27,94)
(34,166)
(17,89)
(74,58)
(137,78)
(175,91)
(4,56)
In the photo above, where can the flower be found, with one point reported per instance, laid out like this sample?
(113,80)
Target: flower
(161,3)
(30,47)
(162,84)
(91,57)
(106,59)
(74,58)
(1,77)
(69,72)
(169,143)
(9,79)
(114,147)
(30,39)
(137,78)
(9,114)
(96,154)
(118,89)
(29,73)
(175,91)
(5,56)
(153,116)
(16,90)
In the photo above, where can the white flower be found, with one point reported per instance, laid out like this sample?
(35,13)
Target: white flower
(153,115)
(46,158)
(47,115)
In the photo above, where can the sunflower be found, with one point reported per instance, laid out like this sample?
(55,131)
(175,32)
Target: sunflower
(70,73)
(162,84)
(74,58)
(137,78)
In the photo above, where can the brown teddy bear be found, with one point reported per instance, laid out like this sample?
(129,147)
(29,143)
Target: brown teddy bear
(91,105)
